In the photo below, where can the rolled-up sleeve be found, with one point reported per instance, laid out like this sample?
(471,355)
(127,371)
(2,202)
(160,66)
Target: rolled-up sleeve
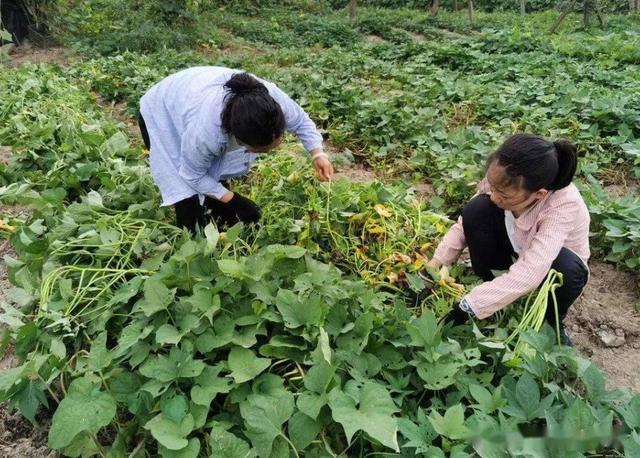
(297,120)
(452,244)
(454,241)
(528,272)
(195,161)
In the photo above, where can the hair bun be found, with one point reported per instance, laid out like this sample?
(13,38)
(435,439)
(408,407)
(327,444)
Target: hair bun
(244,83)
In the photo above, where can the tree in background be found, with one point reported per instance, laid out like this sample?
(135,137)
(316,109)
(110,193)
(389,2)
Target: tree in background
(353,9)
(588,7)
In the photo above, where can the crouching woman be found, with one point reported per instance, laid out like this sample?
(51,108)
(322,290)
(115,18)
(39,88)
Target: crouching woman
(527,218)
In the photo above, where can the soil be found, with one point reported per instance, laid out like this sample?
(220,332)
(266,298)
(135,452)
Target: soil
(417,37)
(27,53)
(20,439)
(358,173)
(118,111)
(424,190)
(5,154)
(610,305)
(373,39)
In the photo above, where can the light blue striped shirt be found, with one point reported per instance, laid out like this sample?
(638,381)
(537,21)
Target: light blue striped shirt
(190,151)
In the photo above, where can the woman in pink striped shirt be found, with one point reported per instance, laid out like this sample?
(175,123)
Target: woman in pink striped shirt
(526,219)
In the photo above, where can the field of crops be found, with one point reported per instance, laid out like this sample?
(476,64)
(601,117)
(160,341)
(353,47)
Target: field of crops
(123,336)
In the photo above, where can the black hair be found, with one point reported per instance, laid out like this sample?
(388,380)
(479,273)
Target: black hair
(535,163)
(250,113)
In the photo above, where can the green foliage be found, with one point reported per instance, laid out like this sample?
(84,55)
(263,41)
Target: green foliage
(252,342)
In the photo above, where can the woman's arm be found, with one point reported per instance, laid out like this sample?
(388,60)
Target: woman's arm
(454,242)
(195,160)
(528,272)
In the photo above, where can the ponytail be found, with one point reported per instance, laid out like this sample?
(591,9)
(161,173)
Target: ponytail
(250,113)
(535,163)
(567,163)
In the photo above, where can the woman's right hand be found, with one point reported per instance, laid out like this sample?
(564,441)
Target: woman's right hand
(434,264)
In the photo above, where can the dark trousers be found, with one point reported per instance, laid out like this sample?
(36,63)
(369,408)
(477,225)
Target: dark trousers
(490,249)
(16,19)
(189,213)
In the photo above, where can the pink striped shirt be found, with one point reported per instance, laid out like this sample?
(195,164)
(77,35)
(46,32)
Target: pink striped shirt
(560,219)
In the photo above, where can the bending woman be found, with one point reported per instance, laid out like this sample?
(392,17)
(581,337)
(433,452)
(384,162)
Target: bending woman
(205,125)
(526,219)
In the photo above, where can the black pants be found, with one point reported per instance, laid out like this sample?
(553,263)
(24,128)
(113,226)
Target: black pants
(16,19)
(189,213)
(490,249)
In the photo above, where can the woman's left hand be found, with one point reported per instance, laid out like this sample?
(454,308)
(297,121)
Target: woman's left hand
(459,314)
(323,167)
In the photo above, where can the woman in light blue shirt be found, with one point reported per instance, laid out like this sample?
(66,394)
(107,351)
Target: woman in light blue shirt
(205,125)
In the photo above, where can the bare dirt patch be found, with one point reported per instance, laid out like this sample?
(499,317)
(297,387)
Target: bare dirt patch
(424,190)
(619,182)
(417,37)
(20,439)
(119,112)
(373,39)
(5,154)
(357,173)
(604,324)
(27,53)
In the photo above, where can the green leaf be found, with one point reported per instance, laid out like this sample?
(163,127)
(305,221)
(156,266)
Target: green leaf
(298,313)
(425,331)
(303,430)
(204,300)
(245,365)
(192,450)
(175,408)
(224,444)
(168,334)
(438,375)
(85,409)
(452,424)
(527,392)
(311,403)
(318,377)
(168,433)
(231,267)
(420,435)
(212,235)
(367,408)
(209,386)
(631,412)
(99,356)
(157,296)
(631,443)
(324,345)
(264,416)
(178,364)
(29,398)
(487,402)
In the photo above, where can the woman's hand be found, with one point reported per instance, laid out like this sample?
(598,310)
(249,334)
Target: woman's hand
(321,164)
(459,313)
(434,264)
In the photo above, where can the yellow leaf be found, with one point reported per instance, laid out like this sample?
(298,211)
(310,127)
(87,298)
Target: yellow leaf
(6,227)
(382,210)
(375,229)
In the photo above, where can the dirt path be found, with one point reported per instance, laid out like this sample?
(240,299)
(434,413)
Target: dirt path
(604,324)
(29,54)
